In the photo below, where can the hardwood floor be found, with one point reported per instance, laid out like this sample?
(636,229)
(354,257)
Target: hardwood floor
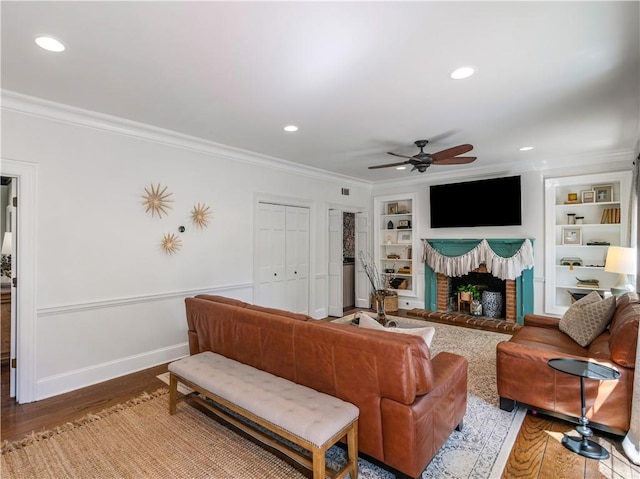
(537,452)
(18,420)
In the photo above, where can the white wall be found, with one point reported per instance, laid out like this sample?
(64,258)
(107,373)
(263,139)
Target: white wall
(109,301)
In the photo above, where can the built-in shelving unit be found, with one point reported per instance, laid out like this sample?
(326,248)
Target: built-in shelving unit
(395,241)
(579,232)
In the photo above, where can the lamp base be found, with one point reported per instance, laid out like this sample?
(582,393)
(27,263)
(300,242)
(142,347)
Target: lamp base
(623,285)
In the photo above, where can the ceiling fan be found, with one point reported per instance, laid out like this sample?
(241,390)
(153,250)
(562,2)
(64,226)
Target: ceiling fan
(422,160)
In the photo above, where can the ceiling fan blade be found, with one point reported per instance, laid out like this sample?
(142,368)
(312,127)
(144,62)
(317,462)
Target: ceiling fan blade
(458,160)
(451,152)
(389,165)
(395,154)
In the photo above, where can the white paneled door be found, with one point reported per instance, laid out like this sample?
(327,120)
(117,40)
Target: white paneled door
(283,257)
(297,259)
(363,242)
(335,263)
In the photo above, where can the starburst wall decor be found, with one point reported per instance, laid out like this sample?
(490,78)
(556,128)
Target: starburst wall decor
(156,200)
(200,215)
(171,243)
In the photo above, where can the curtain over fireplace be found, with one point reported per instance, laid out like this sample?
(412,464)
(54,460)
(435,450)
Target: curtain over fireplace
(508,261)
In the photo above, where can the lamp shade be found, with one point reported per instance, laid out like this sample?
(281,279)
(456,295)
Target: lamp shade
(621,260)
(6,243)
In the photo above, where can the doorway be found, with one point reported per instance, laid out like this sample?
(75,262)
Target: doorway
(348,260)
(348,234)
(8,186)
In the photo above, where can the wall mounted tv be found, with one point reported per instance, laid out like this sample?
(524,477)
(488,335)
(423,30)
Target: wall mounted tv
(492,202)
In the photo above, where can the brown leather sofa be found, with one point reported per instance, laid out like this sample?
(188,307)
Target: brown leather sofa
(409,402)
(524,377)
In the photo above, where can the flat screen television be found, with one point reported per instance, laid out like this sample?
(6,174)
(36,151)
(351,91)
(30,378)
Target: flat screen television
(492,202)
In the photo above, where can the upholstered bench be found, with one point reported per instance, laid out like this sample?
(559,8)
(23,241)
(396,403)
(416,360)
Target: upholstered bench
(313,420)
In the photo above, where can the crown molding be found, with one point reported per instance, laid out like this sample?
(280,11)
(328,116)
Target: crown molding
(50,110)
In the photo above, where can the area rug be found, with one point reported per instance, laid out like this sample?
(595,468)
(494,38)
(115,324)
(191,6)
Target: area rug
(140,440)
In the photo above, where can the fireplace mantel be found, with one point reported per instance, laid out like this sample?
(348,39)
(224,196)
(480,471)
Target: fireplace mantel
(504,248)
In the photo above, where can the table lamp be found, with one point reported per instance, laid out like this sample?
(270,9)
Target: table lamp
(6,243)
(621,260)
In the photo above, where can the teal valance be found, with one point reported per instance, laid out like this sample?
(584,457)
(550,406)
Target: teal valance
(481,252)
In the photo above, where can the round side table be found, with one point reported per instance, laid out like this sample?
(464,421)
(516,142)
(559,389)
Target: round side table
(585,370)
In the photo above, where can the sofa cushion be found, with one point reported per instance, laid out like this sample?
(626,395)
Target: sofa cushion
(426,333)
(587,318)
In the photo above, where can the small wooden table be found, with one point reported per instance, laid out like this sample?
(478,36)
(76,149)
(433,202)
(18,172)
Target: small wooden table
(584,369)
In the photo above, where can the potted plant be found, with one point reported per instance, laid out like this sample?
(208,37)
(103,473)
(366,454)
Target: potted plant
(468,292)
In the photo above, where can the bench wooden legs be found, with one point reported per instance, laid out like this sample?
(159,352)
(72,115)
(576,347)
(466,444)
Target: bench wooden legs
(173,393)
(318,463)
(352,447)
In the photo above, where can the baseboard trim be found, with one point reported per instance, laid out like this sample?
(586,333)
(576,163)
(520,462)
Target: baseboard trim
(79,378)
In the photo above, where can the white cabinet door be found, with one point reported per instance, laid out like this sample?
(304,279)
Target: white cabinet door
(297,259)
(282,263)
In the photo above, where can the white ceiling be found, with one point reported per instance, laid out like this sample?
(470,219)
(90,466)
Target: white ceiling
(359,79)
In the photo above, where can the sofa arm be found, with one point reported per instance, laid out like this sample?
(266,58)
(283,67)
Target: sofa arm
(541,321)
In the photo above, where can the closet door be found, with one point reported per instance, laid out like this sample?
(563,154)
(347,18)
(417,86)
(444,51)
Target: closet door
(270,247)
(297,259)
(282,263)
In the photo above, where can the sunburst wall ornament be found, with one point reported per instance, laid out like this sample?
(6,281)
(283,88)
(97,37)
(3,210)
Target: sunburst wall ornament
(156,200)
(200,215)
(171,243)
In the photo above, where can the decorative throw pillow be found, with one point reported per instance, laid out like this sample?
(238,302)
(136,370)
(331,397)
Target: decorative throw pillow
(426,333)
(587,318)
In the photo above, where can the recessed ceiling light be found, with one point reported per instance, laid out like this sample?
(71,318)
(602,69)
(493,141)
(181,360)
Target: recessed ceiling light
(463,72)
(50,44)
(526,148)
(291,128)
(401,167)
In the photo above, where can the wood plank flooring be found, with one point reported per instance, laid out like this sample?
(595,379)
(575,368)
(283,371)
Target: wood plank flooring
(537,452)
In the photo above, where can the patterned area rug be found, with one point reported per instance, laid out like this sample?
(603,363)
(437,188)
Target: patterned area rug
(140,440)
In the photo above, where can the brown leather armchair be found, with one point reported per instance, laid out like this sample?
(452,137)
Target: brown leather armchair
(524,377)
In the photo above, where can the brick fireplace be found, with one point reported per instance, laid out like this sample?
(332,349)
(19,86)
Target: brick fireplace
(445,292)
(440,289)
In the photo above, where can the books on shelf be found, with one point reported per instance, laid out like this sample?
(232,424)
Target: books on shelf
(610,215)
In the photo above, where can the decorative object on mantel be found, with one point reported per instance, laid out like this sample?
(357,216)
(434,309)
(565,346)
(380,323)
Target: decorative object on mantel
(171,243)
(200,215)
(156,200)
(503,268)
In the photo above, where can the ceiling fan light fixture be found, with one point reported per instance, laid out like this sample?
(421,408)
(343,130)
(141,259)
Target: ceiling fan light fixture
(526,148)
(50,44)
(462,72)
(291,128)
(401,167)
